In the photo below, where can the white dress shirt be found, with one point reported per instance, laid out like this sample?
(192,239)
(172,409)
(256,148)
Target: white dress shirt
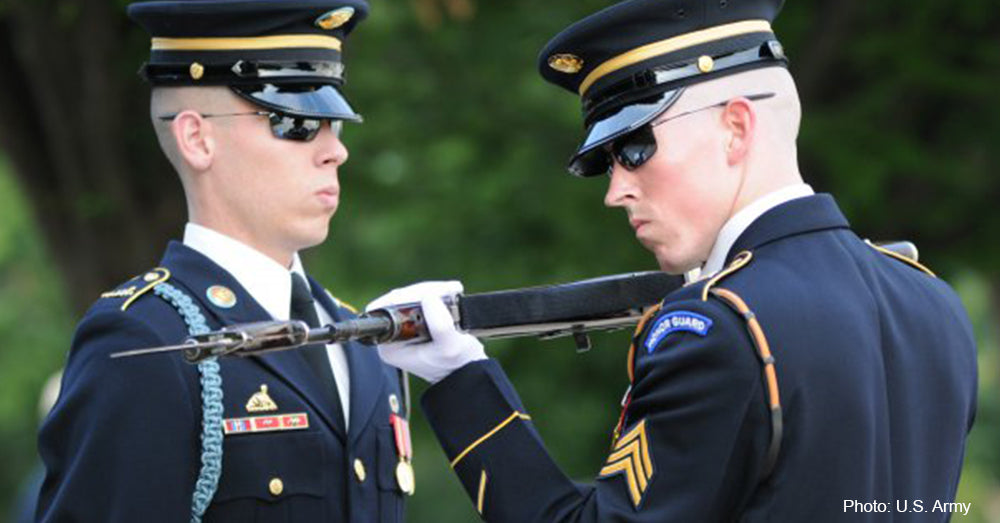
(740,221)
(270,284)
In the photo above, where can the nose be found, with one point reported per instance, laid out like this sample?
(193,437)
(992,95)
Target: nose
(621,187)
(330,149)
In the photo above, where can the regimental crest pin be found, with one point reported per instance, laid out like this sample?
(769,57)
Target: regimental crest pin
(221,296)
(566,63)
(261,401)
(334,19)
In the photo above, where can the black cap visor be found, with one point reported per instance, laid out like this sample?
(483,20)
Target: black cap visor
(590,159)
(307,101)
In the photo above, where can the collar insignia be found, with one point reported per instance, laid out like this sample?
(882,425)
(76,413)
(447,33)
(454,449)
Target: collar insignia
(221,296)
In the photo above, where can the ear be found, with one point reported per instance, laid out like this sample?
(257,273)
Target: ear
(740,121)
(194,136)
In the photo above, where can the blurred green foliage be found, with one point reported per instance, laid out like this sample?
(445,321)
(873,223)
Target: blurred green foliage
(35,326)
(458,172)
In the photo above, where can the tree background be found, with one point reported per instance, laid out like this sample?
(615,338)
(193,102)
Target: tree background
(458,171)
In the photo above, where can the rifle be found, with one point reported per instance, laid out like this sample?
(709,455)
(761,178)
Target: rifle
(550,311)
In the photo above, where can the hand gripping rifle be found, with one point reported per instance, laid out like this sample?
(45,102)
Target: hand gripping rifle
(551,311)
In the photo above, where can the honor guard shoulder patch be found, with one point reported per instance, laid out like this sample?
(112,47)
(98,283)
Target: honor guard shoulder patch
(631,458)
(676,321)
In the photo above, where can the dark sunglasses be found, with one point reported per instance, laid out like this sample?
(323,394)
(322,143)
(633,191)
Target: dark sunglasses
(637,147)
(295,128)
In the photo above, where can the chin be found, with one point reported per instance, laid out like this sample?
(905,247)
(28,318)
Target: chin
(313,237)
(671,265)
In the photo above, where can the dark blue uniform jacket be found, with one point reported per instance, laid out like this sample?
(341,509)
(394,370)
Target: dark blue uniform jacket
(122,443)
(876,373)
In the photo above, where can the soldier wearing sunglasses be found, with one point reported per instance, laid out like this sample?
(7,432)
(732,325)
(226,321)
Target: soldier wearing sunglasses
(248,105)
(802,374)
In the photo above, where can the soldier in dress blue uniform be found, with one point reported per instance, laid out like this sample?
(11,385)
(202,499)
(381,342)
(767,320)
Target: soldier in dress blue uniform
(247,104)
(801,373)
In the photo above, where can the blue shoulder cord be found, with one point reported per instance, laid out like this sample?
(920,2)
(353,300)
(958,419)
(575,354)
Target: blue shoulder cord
(211,404)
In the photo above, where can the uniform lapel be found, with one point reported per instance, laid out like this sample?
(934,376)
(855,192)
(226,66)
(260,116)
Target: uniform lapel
(197,274)
(798,216)
(365,367)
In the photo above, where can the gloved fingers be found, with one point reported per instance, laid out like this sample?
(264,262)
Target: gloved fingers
(397,355)
(440,322)
(415,293)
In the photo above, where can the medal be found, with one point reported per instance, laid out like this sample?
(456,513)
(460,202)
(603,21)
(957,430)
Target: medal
(404,470)
(404,476)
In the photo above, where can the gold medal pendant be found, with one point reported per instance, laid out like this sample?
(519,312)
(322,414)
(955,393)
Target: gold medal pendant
(404,470)
(405,478)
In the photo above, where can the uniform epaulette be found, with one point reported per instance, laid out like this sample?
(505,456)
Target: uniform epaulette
(912,262)
(741,260)
(341,303)
(137,286)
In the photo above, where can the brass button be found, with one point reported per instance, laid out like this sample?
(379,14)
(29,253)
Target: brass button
(706,64)
(197,71)
(359,470)
(276,486)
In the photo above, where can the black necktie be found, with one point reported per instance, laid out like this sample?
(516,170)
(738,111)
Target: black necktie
(304,308)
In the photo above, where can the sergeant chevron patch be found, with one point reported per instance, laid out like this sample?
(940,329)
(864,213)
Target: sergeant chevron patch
(630,457)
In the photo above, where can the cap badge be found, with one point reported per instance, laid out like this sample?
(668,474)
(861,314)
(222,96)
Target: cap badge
(335,18)
(705,63)
(197,70)
(261,402)
(566,63)
(221,296)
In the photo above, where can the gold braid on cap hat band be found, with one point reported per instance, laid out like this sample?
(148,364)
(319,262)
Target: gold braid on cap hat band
(672,44)
(248,42)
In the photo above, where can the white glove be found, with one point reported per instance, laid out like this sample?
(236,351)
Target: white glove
(448,349)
